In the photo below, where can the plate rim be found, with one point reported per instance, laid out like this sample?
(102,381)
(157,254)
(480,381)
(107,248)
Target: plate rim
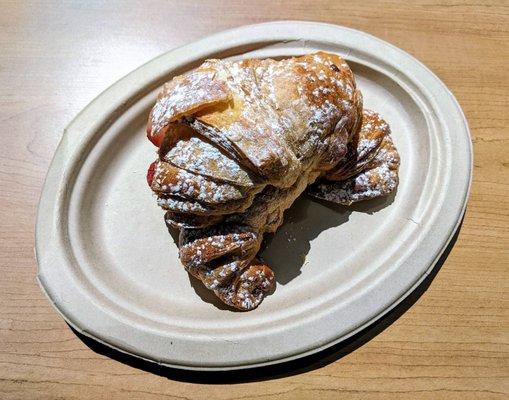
(127,86)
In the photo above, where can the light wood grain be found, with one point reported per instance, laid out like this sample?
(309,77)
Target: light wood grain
(56,57)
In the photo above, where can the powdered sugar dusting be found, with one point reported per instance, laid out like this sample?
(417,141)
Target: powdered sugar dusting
(181,205)
(378,165)
(220,257)
(267,142)
(203,158)
(175,181)
(184,94)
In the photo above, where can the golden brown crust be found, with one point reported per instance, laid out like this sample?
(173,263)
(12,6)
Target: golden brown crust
(274,114)
(185,94)
(242,141)
(369,170)
(362,148)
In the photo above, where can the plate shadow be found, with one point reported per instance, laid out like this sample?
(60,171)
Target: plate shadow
(286,250)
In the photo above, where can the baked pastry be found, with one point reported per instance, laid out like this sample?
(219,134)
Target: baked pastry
(239,141)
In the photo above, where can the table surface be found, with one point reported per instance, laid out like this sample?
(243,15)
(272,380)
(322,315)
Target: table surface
(453,341)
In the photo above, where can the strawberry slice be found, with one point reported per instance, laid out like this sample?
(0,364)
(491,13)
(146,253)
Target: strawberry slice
(150,173)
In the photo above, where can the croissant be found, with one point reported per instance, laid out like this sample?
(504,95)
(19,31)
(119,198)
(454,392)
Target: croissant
(239,141)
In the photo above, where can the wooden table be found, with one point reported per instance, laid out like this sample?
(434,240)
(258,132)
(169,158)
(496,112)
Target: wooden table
(451,342)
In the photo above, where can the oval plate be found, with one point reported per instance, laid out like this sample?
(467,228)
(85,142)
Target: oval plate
(108,264)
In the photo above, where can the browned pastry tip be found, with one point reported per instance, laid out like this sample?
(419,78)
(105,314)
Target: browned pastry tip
(362,148)
(222,258)
(184,94)
(247,291)
(369,170)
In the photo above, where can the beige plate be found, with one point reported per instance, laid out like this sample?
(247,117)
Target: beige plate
(107,263)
